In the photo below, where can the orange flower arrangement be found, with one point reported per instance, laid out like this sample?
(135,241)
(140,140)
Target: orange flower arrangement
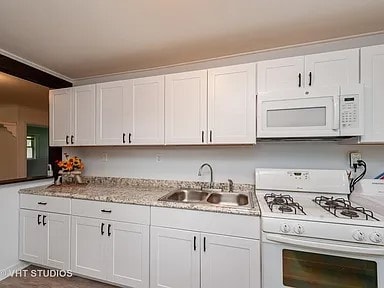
(70,163)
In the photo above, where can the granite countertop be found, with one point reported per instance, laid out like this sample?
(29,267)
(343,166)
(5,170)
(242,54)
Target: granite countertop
(140,192)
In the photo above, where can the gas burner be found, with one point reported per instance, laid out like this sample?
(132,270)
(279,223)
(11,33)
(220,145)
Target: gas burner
(343,208)
(283,203)
(349,213)
(285,208)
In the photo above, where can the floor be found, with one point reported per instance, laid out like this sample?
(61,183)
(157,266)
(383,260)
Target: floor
(30,279)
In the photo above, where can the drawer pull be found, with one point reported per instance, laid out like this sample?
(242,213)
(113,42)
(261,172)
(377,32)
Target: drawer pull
(102,229)
(106,211)
(42,203)
(205,244)
(109,230)
(38,219)
(194,243)
(44,223)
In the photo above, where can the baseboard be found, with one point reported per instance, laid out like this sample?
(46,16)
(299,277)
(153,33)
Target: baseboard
(5,273)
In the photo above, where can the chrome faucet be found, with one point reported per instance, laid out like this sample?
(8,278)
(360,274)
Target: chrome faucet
(230,185)
(210,168)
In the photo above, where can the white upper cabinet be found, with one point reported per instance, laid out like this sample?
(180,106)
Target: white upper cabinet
(280,74)
(84,107)
(338,68)
(72,116)
(130,112)
(186,108)
(60,115)
(372,77)
(232,104)
(112,108)
(146,114)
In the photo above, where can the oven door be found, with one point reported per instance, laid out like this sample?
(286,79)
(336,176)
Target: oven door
(298,113)
(299,262)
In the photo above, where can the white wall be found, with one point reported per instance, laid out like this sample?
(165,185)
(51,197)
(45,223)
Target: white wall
(9,224)
(237,163)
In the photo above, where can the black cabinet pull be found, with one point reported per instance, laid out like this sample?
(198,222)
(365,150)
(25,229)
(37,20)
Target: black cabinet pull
(123,138)
(205,246)
(299,79)
(38,219)
(44,223)
(106,211)
(67,139)
(210,136)
(194,243)
(202,136)
(72,139)
(109,230)
(130,138)
(310,79)
(42,203)
(102,228)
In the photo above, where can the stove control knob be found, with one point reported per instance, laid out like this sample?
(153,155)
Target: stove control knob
(299,229)
(376,237)
(285,228)
(358,235)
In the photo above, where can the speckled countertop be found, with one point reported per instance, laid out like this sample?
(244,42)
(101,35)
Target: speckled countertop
(141,192)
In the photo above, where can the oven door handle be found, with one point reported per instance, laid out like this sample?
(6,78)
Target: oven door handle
(325,246)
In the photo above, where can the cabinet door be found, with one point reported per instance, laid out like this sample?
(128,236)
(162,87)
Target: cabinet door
(228,262)
(31,240)
(339,68)
(112,102)
(372,77)
(280,74)
(232,104)
(128,254)
(186,108)
(147,102)
(175,258)
(84,98)
(87,247)
(57,231)
(60,116)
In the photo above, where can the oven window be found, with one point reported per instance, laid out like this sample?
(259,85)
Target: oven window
(297,117)
(304,270)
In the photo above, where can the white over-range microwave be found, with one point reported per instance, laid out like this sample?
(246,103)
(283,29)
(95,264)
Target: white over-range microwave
(315,112)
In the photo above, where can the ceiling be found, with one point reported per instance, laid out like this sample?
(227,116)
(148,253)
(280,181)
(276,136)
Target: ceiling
(15,91)
(96,37)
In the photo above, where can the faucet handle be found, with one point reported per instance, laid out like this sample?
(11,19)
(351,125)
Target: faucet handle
(230,185)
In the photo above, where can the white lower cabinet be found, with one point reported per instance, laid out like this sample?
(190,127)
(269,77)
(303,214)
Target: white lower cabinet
(175,258)
(228,262)
(104,246)
(44,238)
(193,259)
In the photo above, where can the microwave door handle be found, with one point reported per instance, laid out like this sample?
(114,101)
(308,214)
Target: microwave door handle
(325,246)
(336,113)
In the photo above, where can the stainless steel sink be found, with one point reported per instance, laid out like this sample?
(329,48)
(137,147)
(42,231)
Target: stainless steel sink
(185,195)
(208,197)
(228,199)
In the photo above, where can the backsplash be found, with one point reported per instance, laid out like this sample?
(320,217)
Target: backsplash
(229,162)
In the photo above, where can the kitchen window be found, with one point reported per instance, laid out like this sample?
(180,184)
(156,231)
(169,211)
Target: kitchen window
(31,147)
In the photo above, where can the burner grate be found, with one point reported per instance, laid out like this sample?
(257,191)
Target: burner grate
(341,206)
(283,203)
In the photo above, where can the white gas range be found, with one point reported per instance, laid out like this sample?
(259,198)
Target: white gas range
(313,236)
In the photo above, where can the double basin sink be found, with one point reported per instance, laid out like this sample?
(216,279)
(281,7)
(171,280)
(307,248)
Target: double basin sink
(208,197)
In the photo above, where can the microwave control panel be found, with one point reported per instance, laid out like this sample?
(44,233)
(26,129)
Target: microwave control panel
(350,111)
(351,114)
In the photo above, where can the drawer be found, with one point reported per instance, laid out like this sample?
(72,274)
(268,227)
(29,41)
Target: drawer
(111,211)
(209,222)
(45,203)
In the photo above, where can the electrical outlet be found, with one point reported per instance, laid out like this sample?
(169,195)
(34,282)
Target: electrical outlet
(104,157)
(158,158)
(353,158)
